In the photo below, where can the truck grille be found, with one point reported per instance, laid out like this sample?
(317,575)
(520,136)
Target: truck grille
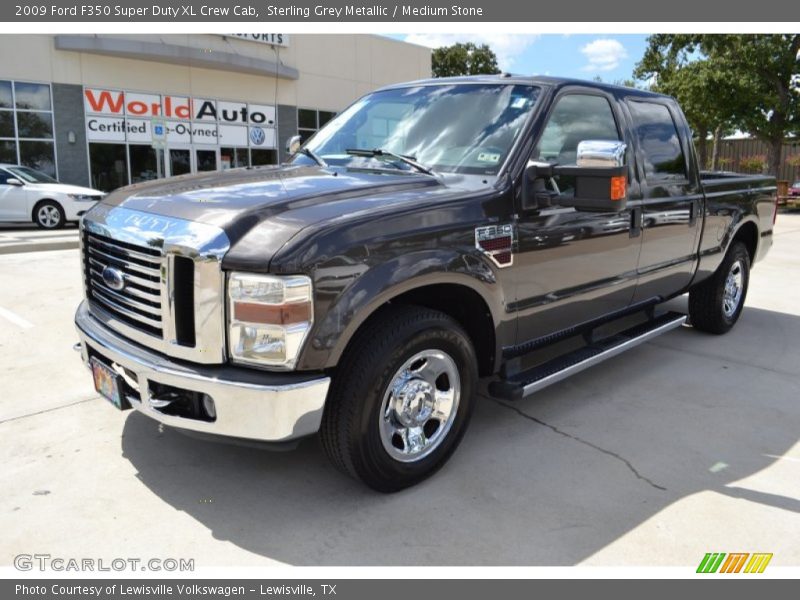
(138,303)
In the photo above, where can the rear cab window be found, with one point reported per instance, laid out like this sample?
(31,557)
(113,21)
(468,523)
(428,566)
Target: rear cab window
(659,142)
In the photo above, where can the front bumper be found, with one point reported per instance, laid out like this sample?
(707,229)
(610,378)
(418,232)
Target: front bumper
(250,404)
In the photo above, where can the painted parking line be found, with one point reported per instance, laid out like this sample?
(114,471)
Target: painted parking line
(15,318)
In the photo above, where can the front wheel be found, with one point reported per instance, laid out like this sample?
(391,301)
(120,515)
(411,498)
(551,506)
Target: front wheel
(401,398)
(716,304)
(49,215)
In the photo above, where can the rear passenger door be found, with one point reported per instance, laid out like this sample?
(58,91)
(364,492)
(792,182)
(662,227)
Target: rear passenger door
(668,213)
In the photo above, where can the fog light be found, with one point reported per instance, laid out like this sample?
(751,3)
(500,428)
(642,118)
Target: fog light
(208,406)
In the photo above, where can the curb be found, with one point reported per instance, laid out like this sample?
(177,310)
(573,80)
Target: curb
(38,246)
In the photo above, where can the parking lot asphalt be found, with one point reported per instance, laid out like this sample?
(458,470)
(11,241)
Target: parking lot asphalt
(686,445)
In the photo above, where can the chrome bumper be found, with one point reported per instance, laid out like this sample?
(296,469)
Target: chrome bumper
(253,405)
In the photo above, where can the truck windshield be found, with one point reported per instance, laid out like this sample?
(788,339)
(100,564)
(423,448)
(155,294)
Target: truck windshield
(455,128)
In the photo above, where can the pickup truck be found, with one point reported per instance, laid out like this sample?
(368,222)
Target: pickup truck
(517,229)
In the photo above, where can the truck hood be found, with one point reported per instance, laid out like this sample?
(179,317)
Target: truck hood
(289,198)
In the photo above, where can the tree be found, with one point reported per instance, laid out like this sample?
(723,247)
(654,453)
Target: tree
(746,82)
(696,85)
(464,59)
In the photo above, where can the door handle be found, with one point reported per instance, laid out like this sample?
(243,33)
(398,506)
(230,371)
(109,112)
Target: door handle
(694,211)
(636,221)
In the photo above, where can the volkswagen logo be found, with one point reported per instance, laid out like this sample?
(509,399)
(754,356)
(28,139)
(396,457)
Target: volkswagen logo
(257,135)
(113,278)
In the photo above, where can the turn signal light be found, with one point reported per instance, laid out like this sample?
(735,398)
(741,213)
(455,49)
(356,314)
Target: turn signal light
(619,187)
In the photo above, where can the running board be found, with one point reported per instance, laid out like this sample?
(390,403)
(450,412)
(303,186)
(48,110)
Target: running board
(526,383)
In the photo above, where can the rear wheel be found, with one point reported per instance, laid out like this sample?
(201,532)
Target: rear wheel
(716,304)
(401,399)
(49,215)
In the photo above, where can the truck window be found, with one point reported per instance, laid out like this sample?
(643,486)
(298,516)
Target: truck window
(659,141)
(453,128)
(575,118)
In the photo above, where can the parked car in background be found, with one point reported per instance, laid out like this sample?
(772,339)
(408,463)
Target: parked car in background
(794,189)
(29,195)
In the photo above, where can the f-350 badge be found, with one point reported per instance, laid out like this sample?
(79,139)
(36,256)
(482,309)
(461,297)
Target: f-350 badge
(496,242)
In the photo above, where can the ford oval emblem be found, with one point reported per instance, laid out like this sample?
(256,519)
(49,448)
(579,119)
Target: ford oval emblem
(257,136)
(113,278)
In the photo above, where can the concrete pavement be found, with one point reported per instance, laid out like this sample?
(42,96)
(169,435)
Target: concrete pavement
(685,445)
(15,239)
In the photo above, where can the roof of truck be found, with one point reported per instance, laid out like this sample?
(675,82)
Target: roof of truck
(541,80)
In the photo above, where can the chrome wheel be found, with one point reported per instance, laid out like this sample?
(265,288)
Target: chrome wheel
(420,405)
(49,216)
(734,285)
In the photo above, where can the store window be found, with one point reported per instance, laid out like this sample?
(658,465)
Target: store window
(26,125)
(144,163)
(232,158)
(263,157)
(8,152)
(310,120)
(109,166)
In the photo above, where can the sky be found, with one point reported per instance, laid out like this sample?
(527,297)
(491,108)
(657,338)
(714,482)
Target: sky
(611,57)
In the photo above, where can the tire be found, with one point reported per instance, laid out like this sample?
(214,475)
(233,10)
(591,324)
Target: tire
(378,426)
(49,215)
(716,304)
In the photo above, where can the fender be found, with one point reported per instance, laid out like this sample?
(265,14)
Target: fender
(723,222)
(354,299)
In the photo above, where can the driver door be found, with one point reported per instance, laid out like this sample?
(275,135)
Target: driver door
(574,266)
(13,199)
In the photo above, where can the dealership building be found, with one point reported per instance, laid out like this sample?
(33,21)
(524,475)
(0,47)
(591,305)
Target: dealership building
(109,110)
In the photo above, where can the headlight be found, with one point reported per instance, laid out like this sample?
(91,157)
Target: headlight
(86,197)
(269,318)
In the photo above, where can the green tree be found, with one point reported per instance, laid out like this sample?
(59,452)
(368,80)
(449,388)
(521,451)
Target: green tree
(747,82)
(697,86)
(464,59)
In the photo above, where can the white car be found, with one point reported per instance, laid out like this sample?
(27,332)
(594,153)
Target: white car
(29,195)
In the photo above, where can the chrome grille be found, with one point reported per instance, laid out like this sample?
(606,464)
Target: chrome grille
(172,300)
(138,304)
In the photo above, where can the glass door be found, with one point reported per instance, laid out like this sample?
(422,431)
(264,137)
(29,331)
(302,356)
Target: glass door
(179,162)
(206,159)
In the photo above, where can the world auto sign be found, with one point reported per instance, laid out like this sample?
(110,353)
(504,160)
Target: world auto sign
(124,116)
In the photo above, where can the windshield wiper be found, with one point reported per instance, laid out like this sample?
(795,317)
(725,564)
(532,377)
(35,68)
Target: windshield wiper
(313,156)
(409,160)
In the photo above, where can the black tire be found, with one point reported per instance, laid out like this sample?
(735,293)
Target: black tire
(352,432)
(710,309)
(48,214)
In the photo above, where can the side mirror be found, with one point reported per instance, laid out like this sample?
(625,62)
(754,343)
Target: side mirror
(293,144)
(601,181)
(601,153)
(14,181)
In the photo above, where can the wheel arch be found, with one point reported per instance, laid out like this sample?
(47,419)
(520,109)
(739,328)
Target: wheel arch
(464,305)
(470,295)
(747,233)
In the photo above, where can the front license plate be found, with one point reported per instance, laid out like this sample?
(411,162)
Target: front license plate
(107,383)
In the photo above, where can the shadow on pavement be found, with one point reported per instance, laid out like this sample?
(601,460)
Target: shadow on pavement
(548,481)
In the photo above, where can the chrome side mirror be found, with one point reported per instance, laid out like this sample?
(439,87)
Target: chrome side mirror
(601,153)
(14,181)
(293,144)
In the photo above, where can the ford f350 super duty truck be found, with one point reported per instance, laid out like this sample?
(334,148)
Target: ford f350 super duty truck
(514,228)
